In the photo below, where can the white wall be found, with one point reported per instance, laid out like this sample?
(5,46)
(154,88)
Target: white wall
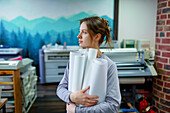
(137,20)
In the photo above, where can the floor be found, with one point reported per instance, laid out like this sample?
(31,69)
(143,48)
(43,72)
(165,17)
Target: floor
(47,101)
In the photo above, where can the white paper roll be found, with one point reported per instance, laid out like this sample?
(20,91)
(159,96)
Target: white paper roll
(92,53)
(88,68)
(71,66)
(78,71)
(98,79)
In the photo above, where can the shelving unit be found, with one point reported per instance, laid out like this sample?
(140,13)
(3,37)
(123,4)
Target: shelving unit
(18,82)
(11,88)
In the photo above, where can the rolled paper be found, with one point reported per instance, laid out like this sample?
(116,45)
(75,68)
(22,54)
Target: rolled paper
(92,53)
(78,71)
(71,66)
(98,79)
(88,68)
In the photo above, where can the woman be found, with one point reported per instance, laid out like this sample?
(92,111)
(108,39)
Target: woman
(92,33)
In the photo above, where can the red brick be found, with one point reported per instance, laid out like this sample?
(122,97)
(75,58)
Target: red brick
(159,88)
(157,34)
(161,111)
(161,5)
(169,3)
(168,22)
(168,15)
(159,11)
(157,17)
(166,78)
(156,46)
(159,65)
(157,40)
(162,72)
(167,97)
(166,28)
(162,107)
(158,93)
(161,22)
(166,41)
(164,16)
(166,66)
(164,102)
(166,54)
(161,1)
(166,84)
(159,28)
(157,53)
(168,34)
(163,60)
(164,47)
(154,80)
(159,82)
(168,73)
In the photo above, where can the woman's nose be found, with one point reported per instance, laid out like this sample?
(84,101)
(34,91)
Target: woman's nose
(79,36)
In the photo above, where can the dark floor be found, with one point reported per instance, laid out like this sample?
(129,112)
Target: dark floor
(47,101)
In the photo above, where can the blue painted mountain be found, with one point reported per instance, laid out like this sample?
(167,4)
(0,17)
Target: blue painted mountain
(60,25)
(44,24)
(78,16)
(24,23)
(9,26)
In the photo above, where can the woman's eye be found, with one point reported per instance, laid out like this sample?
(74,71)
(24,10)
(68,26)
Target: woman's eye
(84,32)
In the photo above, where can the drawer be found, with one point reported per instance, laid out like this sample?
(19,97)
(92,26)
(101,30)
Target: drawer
(50,79)
(25,78)
(6,86)
(10,110)
(54,71)
(8,93)
(56,65)
(6,78)
(26,88)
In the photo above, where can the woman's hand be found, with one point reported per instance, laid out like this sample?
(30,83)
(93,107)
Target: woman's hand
(79,97)
(70,107)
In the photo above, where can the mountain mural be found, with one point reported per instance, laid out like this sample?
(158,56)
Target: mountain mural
(21,32)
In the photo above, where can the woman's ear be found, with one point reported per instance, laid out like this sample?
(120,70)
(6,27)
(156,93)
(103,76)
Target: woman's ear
(97,37)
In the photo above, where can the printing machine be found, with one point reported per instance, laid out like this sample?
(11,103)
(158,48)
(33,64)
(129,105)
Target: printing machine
(7,53)
(53,61)
(130,62)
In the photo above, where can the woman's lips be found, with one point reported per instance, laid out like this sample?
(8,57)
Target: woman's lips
(80,42)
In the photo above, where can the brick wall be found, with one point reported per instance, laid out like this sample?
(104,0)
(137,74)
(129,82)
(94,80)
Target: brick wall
(161,84)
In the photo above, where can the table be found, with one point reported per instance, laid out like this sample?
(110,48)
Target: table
(2,104)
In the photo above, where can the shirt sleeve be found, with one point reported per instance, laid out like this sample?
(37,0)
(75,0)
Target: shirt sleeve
(113,96)
(62,89)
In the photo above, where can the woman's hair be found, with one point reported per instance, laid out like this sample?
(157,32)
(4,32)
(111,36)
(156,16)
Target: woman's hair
(97,25)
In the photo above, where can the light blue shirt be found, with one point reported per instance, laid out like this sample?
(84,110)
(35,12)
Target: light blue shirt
(113,96)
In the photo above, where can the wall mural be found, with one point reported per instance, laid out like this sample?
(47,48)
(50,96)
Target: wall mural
(30,24)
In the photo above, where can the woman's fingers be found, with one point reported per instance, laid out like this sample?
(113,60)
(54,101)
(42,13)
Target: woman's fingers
(85,89)
(92,96)
(90,103)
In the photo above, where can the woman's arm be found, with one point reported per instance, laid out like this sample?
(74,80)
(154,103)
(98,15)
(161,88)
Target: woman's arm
(62,89)
(113,96)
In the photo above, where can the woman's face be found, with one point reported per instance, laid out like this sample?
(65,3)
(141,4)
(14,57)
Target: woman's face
(85,39)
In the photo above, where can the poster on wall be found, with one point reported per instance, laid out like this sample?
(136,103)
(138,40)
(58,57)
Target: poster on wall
(30,24)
